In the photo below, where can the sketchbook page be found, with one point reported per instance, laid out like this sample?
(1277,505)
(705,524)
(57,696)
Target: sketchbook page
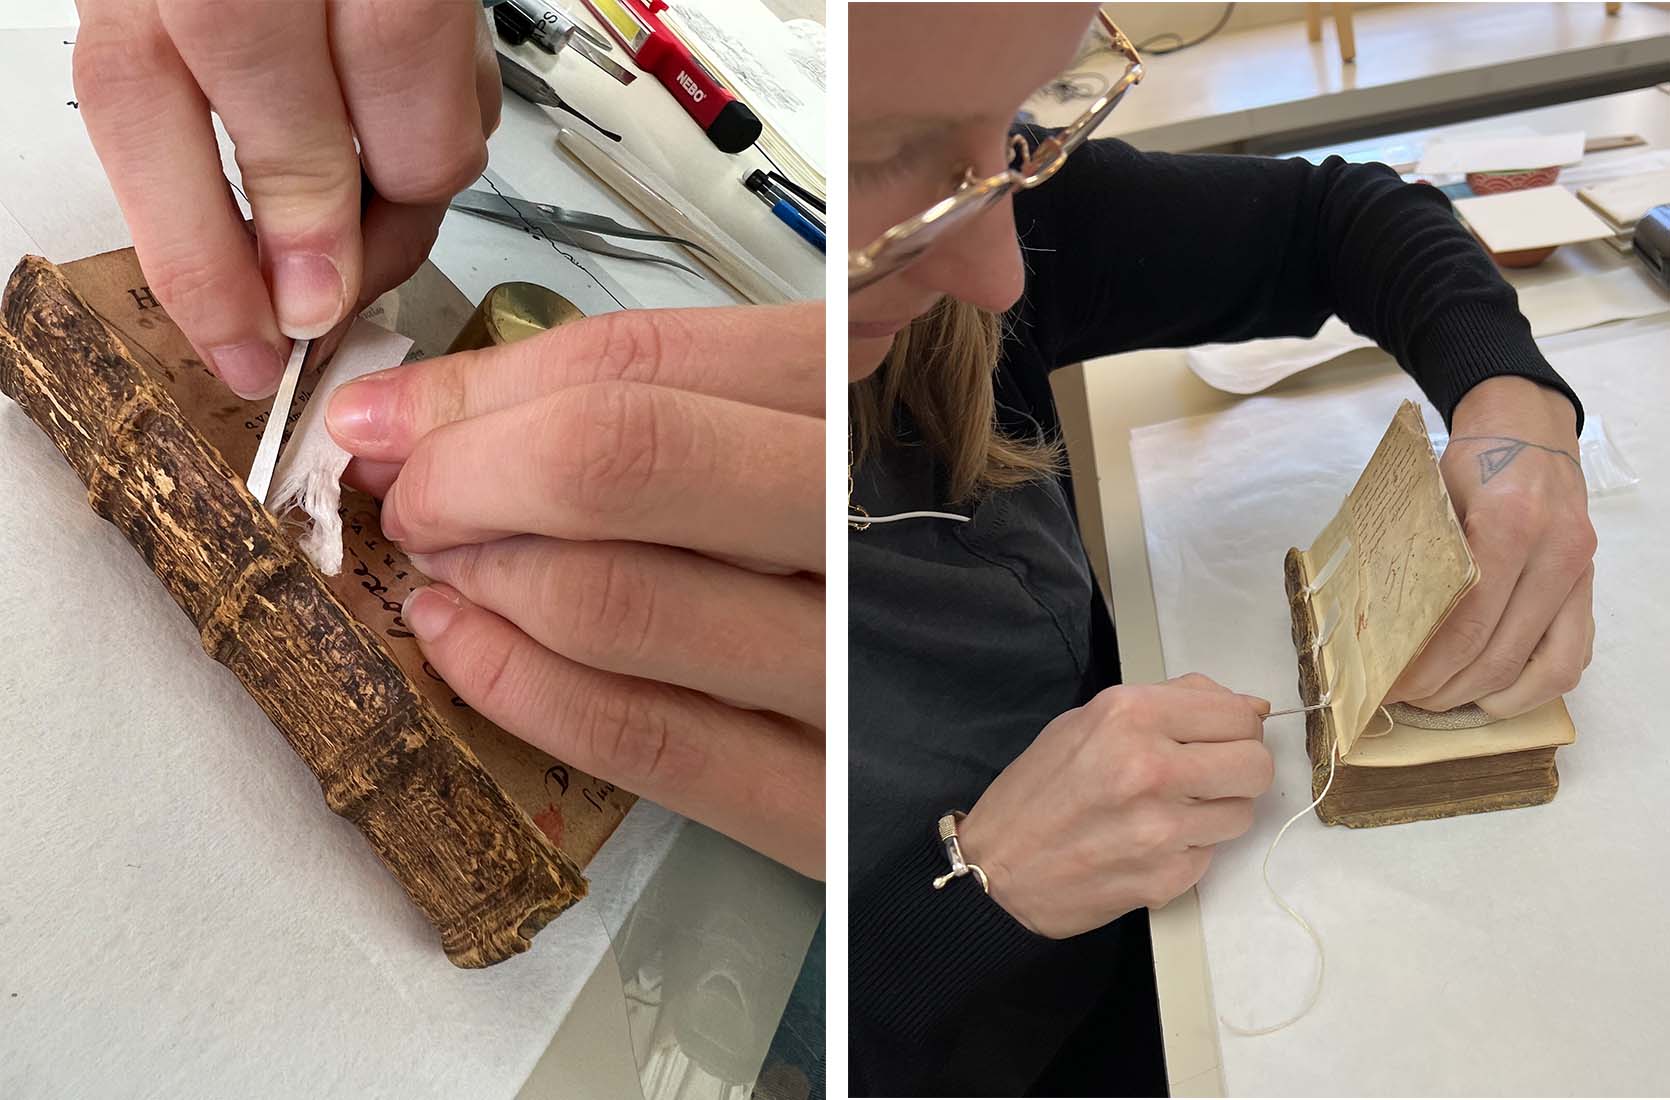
(1546,727)
(1483,914)
(1407,566)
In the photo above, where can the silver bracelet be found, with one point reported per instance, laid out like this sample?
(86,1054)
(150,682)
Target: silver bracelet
(954,852)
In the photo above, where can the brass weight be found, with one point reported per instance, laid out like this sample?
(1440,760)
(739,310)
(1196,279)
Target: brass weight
(512,312)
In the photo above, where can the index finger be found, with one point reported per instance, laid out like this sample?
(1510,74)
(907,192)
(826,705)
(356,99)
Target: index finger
(1189,715)
(769,356)
(1203,682)
(199,261)
(1469,628)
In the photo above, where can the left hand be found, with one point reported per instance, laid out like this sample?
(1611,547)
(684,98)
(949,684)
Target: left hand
(1525,633)
(625,518)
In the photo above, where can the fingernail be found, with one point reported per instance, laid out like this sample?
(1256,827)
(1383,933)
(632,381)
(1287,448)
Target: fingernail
(389,520)
(358,415)
(309,294)
(430,610)
(425,562)
(250,370)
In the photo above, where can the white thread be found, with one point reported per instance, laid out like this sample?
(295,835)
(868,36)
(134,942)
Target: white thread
(897,516)
(1327,700)
(1321,954)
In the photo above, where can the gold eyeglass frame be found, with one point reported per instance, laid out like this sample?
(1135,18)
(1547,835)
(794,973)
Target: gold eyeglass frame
(906,241)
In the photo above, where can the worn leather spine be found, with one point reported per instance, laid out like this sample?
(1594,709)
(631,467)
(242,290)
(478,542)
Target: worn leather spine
(1319,724)
(484,875)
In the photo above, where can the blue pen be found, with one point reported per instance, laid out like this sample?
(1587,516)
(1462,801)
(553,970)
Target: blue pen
(789,216)
(795,220)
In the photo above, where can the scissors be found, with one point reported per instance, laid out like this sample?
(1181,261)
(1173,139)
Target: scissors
(575,228)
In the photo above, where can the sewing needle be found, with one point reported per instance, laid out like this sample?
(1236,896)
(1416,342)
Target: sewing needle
(1295,710)
(266,455)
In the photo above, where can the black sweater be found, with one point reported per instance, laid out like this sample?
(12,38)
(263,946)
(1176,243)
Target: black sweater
(966,639)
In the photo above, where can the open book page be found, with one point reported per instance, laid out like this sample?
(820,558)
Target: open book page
(1406,566)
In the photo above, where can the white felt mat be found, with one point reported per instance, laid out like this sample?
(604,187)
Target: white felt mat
(1513,953)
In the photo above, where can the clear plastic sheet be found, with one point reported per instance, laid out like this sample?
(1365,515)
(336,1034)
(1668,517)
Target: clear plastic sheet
(1605,470)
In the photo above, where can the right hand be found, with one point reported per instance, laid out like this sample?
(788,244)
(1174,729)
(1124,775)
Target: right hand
(1117,804)
(295,84)
(625,516)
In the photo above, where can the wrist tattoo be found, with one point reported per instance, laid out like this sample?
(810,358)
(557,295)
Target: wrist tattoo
(1494,459)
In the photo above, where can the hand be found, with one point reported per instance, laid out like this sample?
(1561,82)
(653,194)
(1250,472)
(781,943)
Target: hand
(1117,804)
(1526,631)
(626,518)
(295,84)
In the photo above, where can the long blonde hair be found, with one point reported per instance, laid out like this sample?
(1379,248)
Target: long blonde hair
(940,370)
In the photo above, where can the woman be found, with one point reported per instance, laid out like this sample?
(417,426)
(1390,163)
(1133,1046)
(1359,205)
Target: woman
(985,675)
(628,563)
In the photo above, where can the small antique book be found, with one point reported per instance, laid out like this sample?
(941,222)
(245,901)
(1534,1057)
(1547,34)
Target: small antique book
(1365,599)
(487,835)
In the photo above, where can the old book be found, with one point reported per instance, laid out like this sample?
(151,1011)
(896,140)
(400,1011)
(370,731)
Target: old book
(1366,598)
(484,833)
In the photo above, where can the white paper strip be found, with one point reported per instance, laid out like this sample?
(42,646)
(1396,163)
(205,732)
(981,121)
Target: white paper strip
(310,469)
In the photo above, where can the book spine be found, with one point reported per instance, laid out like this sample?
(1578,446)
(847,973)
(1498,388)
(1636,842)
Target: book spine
(486,878)
(1319,724)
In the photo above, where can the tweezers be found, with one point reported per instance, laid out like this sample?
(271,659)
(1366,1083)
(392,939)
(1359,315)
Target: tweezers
(575,228)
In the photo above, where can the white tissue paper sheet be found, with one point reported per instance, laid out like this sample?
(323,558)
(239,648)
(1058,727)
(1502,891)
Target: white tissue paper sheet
(1581,301)
(1509,953)
(310,470)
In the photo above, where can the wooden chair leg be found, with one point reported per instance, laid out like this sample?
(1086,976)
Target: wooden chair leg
(1313,22)
(1347,33)
(1613,9)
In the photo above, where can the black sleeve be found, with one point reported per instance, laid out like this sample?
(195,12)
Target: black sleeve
(918,956)
(1131,250)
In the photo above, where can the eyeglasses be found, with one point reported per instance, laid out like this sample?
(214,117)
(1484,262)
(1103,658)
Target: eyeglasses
(906,241)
